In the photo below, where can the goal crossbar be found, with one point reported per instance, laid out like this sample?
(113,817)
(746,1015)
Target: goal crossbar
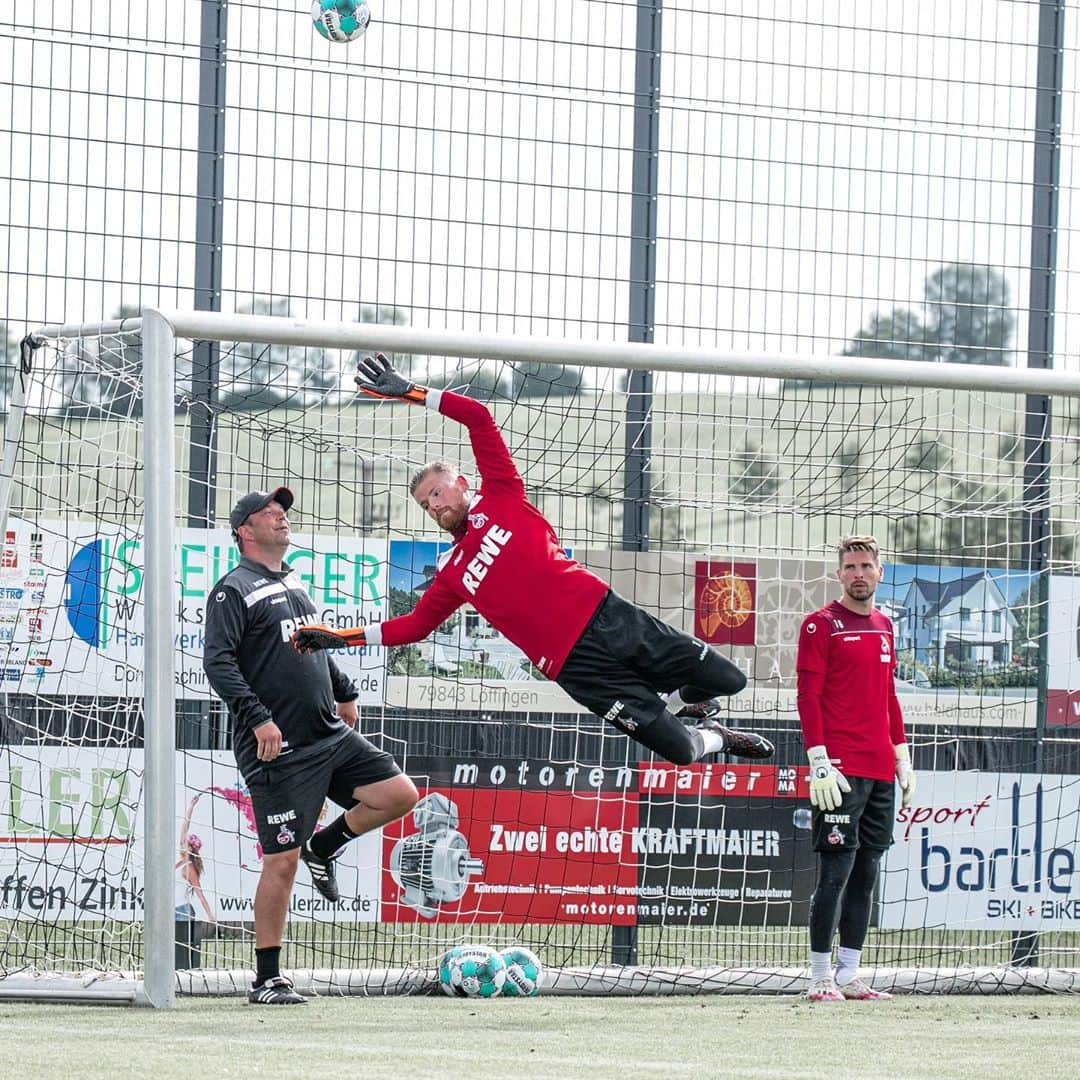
(211,325)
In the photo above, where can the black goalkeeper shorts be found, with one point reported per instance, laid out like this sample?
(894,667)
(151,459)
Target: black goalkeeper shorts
(625,658)
(287,796)
(863,819)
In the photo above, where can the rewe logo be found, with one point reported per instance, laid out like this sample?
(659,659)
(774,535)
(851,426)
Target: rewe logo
(495,539)
(290,626)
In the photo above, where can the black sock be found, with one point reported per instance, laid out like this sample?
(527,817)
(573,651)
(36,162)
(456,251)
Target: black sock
(266,964)
(331,839)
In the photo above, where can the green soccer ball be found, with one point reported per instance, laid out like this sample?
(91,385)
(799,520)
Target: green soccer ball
(524,972)
(340,20)
(472,971)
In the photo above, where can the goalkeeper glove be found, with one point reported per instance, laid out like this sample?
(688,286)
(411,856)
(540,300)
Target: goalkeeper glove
(376,376)
(313,638)
(905,774)
(826,780)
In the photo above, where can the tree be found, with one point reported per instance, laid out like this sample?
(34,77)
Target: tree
(966,319)
(257,376)
(928,455)
(968,315)
(753,474)
(900,335)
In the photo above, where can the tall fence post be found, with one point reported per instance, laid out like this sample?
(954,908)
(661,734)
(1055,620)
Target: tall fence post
(643,213)
(1046,169)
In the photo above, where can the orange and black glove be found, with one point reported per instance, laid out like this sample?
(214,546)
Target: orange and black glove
(375,375)
(310,639)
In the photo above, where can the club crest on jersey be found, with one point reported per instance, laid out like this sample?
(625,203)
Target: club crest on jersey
(477,521)
(614,714)
(285,835)
(835,836)
(885,656)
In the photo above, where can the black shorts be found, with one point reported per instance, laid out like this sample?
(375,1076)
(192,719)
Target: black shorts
(625,658)
(864,819)
(287,796)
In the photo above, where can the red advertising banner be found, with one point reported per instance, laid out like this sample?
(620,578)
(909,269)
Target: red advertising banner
(725,601)
(512,856)
(1063,707)
(518,841)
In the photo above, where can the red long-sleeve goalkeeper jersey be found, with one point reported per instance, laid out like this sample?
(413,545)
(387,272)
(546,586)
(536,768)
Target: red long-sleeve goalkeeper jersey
(847,691)
(507,562)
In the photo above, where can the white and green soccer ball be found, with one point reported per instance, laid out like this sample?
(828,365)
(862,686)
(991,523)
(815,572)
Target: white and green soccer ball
(524,972)
(473,971)
(340,20)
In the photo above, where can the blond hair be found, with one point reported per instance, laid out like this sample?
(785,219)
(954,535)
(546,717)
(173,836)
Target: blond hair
(857,543)
(439,466)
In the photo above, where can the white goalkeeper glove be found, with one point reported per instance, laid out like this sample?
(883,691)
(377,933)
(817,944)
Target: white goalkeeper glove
(905,774)
(826,780)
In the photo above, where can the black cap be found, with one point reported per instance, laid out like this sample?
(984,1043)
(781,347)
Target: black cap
(254,501)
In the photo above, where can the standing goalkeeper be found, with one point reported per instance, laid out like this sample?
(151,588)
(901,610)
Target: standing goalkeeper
(627,667)
(854,734)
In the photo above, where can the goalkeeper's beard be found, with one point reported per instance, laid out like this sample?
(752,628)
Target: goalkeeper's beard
(862,591)
(449,519)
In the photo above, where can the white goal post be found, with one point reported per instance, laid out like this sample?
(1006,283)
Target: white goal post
(762,487)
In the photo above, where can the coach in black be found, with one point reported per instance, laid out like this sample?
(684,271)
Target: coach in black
(293,729)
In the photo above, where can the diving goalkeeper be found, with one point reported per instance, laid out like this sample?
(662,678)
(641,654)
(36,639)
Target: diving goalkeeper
(655,683)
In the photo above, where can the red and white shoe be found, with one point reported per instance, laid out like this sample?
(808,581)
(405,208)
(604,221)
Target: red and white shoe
(824,989)
(857,990)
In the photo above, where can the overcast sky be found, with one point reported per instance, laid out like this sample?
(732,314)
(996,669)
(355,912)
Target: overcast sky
(470,163)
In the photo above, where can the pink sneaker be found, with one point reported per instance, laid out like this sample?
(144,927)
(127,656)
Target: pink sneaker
(824,990)
(857,990)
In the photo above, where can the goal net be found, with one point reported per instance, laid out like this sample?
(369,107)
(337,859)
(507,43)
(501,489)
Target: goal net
(712,495)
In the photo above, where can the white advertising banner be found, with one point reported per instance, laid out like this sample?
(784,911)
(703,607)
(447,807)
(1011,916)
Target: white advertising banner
(985,851)
(72,615)
(72,844)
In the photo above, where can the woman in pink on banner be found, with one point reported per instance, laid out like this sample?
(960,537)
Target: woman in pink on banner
(190,865)
(630,669)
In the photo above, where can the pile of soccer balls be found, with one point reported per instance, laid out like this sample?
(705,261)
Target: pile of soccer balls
(340,20)
(478,971)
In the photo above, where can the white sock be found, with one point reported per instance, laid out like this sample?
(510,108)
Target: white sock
(674,701)
(847,965)
(820,965)
(713,740)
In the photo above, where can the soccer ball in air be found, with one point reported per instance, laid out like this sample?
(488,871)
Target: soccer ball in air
(340,20)
(474,971)
(524,972)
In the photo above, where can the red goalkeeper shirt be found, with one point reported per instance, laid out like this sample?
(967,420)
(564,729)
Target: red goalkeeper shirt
(847,691)
(507,561)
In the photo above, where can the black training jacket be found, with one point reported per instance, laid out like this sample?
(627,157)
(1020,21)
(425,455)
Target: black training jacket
(251,614)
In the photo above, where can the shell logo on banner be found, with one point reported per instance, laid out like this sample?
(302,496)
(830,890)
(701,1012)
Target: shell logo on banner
(725,595)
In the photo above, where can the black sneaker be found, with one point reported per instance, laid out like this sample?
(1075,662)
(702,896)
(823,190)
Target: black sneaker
(744,744)
(275,991)
(322,873)
(700,710)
